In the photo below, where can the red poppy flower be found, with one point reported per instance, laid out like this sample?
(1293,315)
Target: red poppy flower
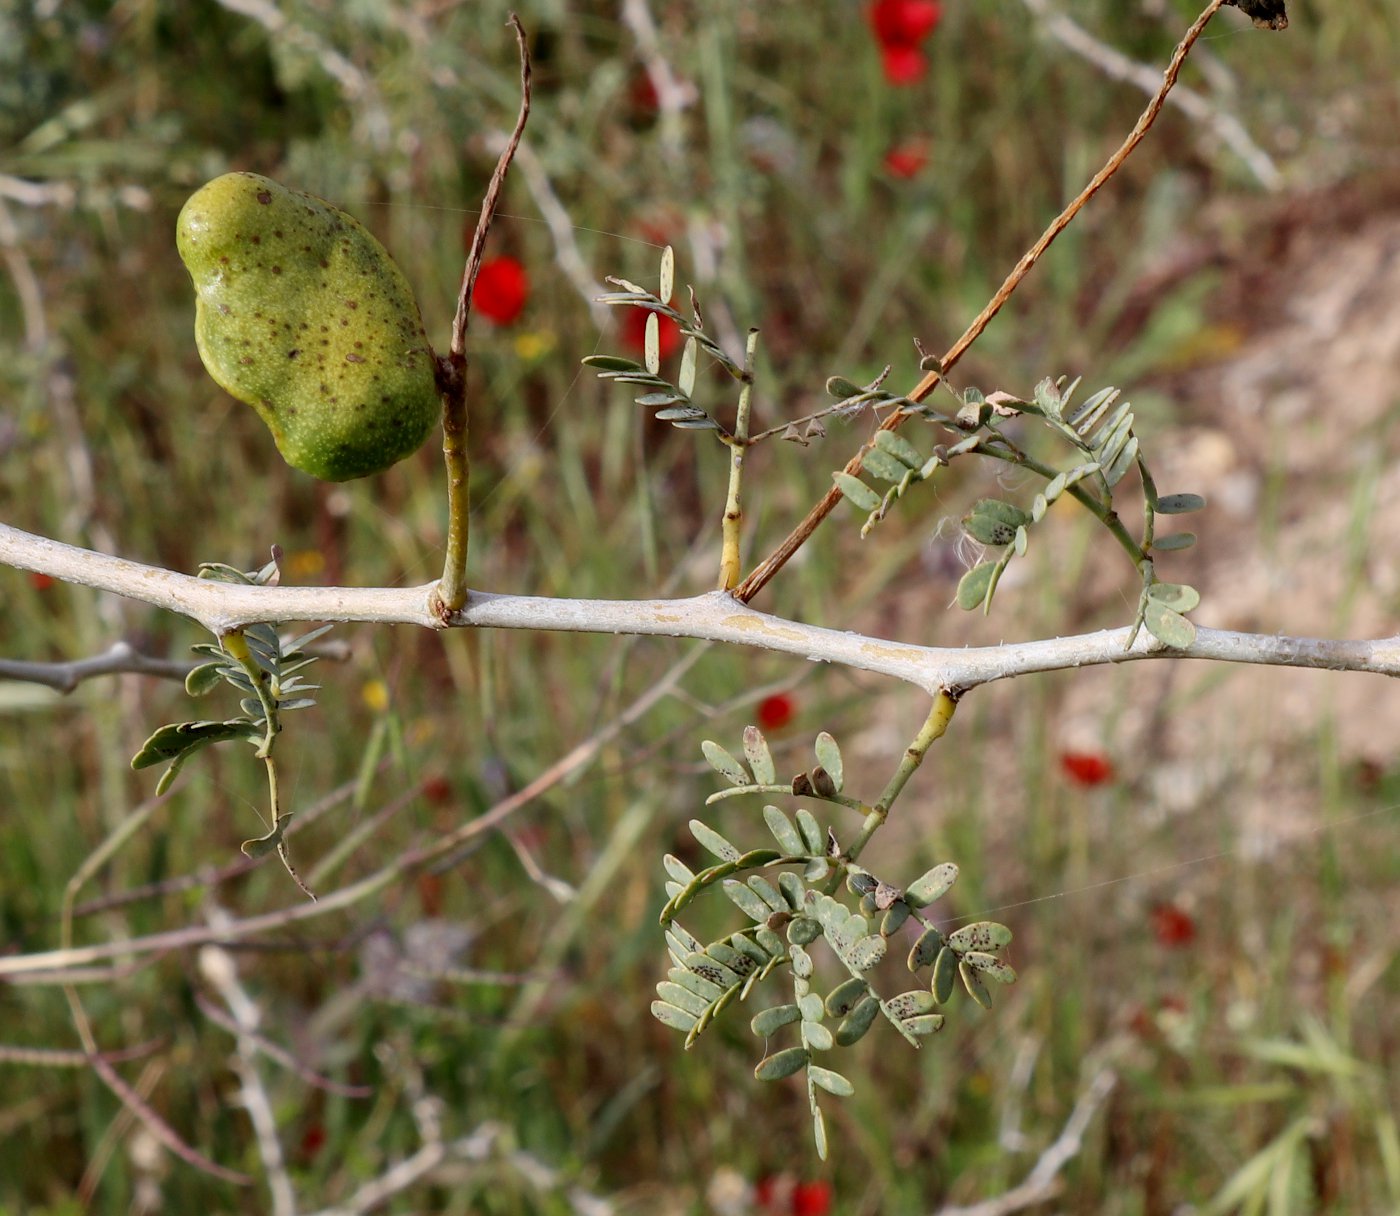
(905,22)
(41,582)
(1087,768)
(903,64)
(644,93)
(1172,927)
(811,1199)
(502,287)
(437,790)
(906,160)
(776,711)
(634,332)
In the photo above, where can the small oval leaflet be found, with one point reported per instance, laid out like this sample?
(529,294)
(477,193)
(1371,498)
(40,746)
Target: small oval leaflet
(832,1082)
(976,989)
(910,1004)
(816,1036)
(611,363)
(811,832)
(945,972)
(1177,596)
(676,1019)
(713,842)
(856,491)
(1168,627)
(879,463)
(845,996)
(681,998)
(791,887)
(668,273)
(770,1021)
(759,757)
(801,962)
(746,901)
(782,1063)
(932,885)
(894,919)
(803,931)
(1174,542)
(724,763)
(857,1022)
(929,1023)
(829,757)
(867,952)
(651,345)
(203,679)
(900,448)
(926,949)
(783,832)
(1179,504)
(984,935)
(974,585)
(811,1007)
(991,966)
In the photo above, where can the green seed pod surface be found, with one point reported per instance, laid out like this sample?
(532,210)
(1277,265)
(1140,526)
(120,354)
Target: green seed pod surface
(302,314)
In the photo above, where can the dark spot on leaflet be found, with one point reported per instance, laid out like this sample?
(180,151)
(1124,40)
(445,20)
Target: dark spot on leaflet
(292,354)
(247,359)
(277,270)
(325,265)
(352,303)
(257,240)
(277,233)
(352,358)
(264,197)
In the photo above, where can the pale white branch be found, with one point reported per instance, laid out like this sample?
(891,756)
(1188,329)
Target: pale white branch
(119,658)
(1043,1182)
(1117,66)
(715,616)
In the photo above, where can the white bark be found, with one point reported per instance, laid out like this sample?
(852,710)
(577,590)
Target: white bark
(715,616)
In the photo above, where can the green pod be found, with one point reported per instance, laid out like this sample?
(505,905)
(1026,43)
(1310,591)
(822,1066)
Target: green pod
(302,314)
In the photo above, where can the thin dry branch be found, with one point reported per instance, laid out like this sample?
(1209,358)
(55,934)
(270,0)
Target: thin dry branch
(759,577)
(452,368)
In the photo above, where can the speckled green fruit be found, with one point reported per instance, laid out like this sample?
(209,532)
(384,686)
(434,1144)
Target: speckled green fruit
(301,313)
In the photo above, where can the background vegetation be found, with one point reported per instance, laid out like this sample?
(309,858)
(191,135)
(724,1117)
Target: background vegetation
(1235,964)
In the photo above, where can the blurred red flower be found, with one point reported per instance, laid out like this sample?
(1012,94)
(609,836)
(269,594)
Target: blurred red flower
(904,21)
(903,64)
(634,332)
(502,287)
(906,160)
(811,1199)
(1172,927)
(899,27)
(776,711)
(41,582)
(1087,768)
